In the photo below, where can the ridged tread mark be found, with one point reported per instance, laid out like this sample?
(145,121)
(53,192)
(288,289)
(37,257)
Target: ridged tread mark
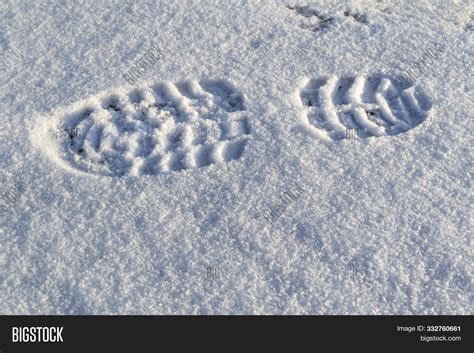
(162,128)
(375,105)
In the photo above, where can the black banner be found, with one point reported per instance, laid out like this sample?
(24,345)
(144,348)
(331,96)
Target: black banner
(292,333)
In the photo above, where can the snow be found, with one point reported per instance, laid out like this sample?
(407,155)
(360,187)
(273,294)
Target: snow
(183,200)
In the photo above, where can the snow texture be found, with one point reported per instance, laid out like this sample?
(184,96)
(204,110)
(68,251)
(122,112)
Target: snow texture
(276,157)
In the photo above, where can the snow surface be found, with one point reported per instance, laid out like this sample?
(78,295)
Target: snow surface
(286,221)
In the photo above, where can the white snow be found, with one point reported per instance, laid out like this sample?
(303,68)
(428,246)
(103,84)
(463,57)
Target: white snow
(165,209)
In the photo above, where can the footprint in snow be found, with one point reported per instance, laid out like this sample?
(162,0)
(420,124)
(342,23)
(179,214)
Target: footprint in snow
(167,127)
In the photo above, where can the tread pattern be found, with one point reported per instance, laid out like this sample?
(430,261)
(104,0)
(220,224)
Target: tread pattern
(374,106)
(163,128)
